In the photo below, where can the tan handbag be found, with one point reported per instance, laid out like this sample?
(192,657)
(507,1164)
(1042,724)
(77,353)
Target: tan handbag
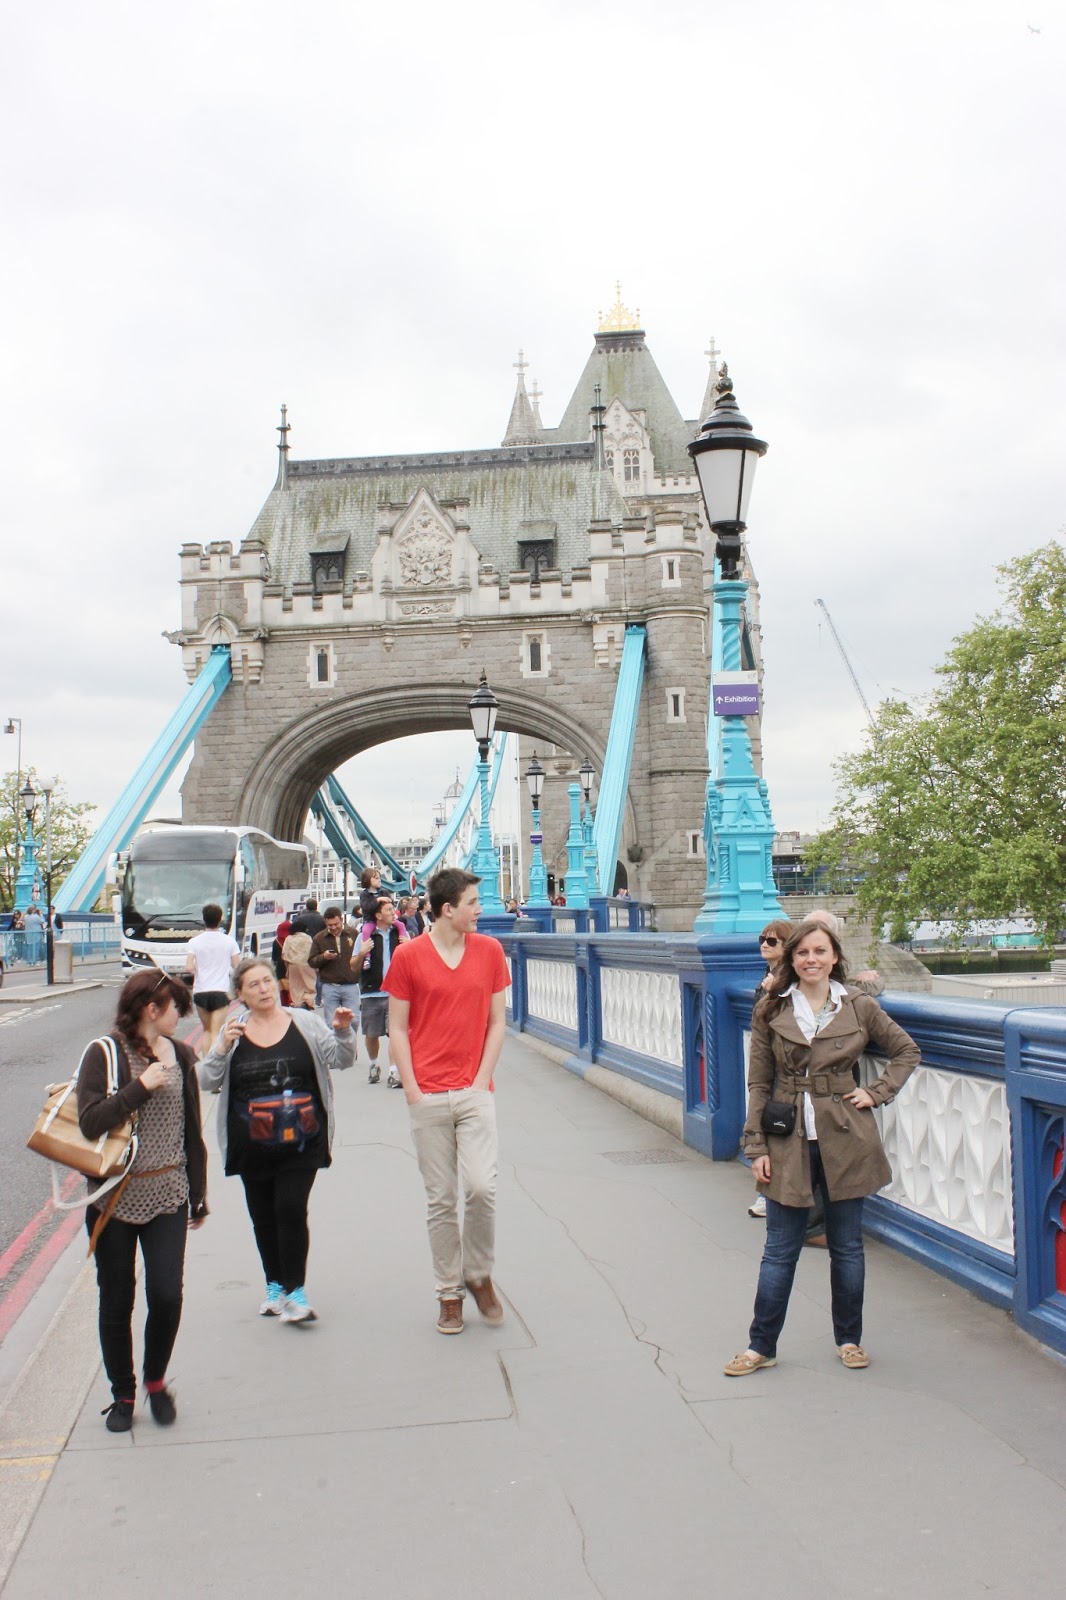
(57,1136)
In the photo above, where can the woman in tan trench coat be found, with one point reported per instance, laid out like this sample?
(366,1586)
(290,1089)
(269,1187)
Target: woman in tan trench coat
(806,1037)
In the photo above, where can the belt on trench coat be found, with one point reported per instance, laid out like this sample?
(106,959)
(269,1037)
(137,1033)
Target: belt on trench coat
(822,1085)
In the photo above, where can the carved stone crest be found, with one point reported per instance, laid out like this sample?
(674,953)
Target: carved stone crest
(425,553)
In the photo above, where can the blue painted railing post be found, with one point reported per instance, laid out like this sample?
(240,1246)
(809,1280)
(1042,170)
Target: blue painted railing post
(594,996)
(728,961)
(581,963)
(1036,1095)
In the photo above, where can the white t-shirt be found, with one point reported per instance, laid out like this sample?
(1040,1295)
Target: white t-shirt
(213,952)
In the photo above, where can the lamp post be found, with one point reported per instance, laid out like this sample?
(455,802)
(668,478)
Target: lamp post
(538,877)
(738,829)
(587,774)
(27,881)
(9,727)
(483,707)
(577,879)
(49,937)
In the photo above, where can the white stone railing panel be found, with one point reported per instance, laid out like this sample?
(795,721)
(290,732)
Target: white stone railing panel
(947,1135)
(642,1012)
(551,991)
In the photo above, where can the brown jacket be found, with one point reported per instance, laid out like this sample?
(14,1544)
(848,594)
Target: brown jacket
(783,1065)
(333,957)
(98,1111)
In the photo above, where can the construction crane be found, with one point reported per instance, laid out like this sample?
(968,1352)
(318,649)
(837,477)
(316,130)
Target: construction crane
(847,663)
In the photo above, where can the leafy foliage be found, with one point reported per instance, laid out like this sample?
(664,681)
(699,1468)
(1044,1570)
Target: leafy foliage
(71,831)
(956,807)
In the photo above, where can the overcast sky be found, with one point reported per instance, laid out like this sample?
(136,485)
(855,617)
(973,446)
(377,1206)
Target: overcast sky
(216,207)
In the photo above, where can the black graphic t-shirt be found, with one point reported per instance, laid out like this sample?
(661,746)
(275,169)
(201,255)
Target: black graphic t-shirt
(258,1072)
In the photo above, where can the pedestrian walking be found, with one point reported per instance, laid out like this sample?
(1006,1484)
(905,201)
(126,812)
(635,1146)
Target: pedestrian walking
(165,1194)
(447,1020)
(772,941)
(275,1121)
(33,924)
(809,1127)
(383,938)
(211,958)
(299,973)
(337,954)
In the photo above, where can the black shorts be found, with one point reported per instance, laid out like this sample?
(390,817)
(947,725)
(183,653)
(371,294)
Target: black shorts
(211,1000)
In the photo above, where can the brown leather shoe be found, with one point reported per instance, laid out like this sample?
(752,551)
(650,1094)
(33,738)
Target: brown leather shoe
(487,1300)
(451,1317)
(816,1241)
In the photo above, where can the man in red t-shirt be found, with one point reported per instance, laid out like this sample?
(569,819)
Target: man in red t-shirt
(447,1017)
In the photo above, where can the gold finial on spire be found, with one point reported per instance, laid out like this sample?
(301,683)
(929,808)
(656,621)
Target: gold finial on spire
(619,319)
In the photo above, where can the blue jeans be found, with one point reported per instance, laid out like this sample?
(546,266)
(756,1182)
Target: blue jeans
(340,994)
(785,1230)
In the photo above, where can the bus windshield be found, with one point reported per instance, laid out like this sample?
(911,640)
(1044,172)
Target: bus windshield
(173,894)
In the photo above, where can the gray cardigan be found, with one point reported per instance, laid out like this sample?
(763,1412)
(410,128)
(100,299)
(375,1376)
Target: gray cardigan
(328,1049)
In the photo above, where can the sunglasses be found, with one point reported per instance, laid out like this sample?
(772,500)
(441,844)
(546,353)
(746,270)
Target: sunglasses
(769,938)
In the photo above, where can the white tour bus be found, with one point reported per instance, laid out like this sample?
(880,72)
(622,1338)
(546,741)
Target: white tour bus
(173,871)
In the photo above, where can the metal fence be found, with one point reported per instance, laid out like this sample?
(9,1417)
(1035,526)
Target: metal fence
(94,939)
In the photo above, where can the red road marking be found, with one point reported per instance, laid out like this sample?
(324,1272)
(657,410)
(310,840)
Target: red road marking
(18,1247)
(15,1303)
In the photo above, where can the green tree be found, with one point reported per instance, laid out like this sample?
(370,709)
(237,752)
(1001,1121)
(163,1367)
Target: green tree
(71,831)
(956,807)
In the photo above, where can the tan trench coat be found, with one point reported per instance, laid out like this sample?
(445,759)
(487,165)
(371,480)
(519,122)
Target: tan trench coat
(783,1065)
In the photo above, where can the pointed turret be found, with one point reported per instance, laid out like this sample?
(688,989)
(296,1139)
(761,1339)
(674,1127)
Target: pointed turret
(522,427)
(283,450)
(536,395)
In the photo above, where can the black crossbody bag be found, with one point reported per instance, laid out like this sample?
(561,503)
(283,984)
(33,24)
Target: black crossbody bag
(778,1118)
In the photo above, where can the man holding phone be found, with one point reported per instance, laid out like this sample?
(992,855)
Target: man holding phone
(337,954)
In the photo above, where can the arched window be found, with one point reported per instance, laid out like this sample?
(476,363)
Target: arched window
(631,466)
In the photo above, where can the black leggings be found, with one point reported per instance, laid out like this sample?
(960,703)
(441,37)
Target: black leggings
(278,1209)
(163,1247)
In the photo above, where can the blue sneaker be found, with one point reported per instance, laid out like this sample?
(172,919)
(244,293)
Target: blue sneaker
(274,1301)
(295,1307)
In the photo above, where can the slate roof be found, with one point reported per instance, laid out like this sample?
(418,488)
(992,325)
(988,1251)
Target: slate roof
(622,365)
(515,493)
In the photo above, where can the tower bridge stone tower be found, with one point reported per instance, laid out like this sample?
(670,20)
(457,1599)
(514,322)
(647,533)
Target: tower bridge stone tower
(370,592)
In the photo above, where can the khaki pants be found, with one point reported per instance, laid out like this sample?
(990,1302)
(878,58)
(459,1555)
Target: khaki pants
(455,1133)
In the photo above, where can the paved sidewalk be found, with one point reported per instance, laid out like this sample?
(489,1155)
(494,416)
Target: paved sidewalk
(588,1447)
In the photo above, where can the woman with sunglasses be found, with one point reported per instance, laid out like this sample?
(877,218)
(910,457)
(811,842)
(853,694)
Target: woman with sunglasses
(772,941)
(807,1036)
(164,1195)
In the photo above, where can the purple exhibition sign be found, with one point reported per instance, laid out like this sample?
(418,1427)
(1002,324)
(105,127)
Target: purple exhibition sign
(735,699)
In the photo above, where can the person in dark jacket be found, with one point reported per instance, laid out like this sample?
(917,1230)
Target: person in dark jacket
(369,890)
(164,1195)
(385,934)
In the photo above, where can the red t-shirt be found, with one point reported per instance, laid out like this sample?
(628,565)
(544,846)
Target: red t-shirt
(449,1014)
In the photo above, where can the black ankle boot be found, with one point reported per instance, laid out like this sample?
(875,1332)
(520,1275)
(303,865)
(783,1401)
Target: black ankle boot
(119,1416)
(164,1411)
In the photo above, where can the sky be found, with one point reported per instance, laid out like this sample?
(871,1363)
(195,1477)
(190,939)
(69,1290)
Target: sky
(215,208)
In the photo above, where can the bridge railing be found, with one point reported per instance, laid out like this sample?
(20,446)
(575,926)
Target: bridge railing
(977,1137)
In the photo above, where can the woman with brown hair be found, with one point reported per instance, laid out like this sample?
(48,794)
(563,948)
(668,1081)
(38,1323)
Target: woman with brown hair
(810,1127)
(164,1195)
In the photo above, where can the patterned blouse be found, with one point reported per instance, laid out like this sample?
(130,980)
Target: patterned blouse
(160,1143)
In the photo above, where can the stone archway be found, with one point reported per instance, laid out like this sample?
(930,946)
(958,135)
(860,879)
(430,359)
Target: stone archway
(281,782)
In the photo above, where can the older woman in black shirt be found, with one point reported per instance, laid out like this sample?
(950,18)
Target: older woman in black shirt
(275,1121)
